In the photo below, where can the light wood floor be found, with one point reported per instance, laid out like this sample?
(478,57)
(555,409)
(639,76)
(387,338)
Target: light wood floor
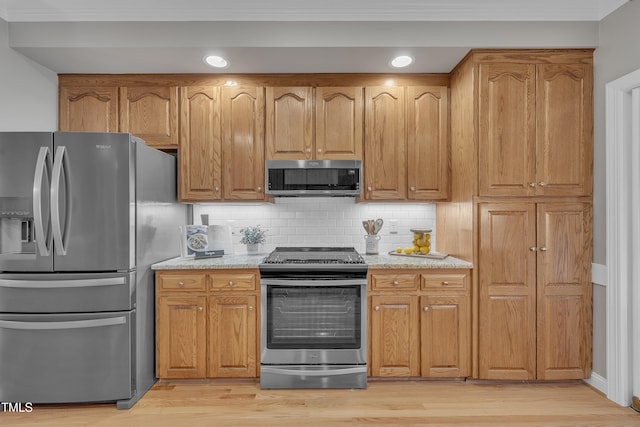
(384,403)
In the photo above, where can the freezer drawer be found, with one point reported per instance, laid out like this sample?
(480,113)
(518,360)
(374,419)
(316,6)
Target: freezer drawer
(66,357)
(67,293)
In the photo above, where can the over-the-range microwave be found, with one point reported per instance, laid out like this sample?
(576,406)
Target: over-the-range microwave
(313,177)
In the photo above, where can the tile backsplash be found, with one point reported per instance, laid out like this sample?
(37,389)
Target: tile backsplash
(321,221)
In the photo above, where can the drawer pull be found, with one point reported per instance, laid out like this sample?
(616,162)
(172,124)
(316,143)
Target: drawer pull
(250,308)
(377,308)
(395,283)
(200,308)
(180,284)
(445,283)
(426,309)
(230,282)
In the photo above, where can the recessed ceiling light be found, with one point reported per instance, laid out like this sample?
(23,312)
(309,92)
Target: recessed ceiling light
(401,61)
(216,61)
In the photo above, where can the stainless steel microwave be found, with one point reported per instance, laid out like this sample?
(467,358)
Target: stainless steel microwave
(313,177)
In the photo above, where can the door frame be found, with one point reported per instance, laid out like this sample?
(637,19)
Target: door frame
(623,236)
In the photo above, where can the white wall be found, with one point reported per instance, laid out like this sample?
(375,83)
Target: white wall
(29,99)
(321,221)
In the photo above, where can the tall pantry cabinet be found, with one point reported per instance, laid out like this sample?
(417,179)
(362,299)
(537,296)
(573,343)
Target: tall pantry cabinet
(522,154)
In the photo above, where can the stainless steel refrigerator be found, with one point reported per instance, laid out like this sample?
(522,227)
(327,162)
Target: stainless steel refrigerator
(82,218)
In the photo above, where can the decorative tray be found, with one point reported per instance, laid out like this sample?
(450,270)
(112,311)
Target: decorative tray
(432,255)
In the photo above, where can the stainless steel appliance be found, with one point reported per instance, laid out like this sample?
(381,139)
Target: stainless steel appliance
(313,177)
(313,318)
(82,218)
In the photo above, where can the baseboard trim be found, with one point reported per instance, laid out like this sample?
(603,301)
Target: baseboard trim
(598,382)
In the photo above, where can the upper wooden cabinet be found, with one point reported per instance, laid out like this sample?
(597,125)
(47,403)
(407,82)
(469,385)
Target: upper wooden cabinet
(535,129)
(150,113)
(339,123)
(385,144)
(307,123)
(406,143)
(200,149)
(289,123)
(428,169)
(88,109)
(243,142)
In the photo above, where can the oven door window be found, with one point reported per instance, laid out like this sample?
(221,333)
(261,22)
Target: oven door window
(309,317)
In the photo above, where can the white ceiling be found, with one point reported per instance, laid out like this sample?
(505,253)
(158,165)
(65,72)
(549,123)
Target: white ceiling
(271,36)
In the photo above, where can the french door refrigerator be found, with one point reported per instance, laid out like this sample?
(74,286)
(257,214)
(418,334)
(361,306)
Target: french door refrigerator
(82,218)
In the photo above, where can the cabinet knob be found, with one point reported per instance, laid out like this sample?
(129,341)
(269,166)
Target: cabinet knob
(308,150)
(542,184)
(377,308)
(533,249)
(230,283)
(217,189)
(259,189)
(426,309)
(368,188)
(532,184)
(180,284)
(395,283)
(250,308)
(413,188)
(543,249)
(200,308)
(319,150)
(445,283)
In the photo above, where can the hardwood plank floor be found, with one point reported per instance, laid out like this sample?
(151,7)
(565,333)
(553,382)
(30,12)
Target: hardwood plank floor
(383,403)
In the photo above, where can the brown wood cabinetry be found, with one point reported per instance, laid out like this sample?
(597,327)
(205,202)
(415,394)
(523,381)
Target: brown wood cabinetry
(420,323)
(200,150)
(150,113)
(406,143)
(206,323)
(314,123)
(243,142)
(535,123)
(535,290)
(88,109)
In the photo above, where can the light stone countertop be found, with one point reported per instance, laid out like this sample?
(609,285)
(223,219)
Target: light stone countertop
(252,261)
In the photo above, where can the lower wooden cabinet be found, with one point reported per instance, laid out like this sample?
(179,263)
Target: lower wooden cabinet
(204,329)
(420,323)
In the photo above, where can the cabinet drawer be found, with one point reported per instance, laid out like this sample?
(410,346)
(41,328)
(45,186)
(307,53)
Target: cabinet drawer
(232,282)
(380,282)
(180,282)
(442,281)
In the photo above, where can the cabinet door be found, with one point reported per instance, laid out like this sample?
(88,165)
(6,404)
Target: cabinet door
(507,294)
(564,291)
(394,336)
(507,126)
(88,109)
(289,123)
(150,113)
(385,145)
(181,337)
(428,143)
(199,157)
(233,336)
(339,123)
(243,142)
(444,336)
(564,135)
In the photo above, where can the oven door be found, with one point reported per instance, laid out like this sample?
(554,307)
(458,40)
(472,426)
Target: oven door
(313,322)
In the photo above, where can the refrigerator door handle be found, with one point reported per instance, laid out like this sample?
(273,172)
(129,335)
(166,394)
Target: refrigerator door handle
(58,284)
(60,172)
(43,168)
(73,324)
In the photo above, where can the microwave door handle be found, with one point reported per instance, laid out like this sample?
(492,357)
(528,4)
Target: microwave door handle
(43,167)
(60,172)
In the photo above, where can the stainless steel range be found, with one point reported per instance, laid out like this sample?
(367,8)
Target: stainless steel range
(313,318)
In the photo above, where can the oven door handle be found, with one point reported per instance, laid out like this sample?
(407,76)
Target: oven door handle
(314,282)
(313,372)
